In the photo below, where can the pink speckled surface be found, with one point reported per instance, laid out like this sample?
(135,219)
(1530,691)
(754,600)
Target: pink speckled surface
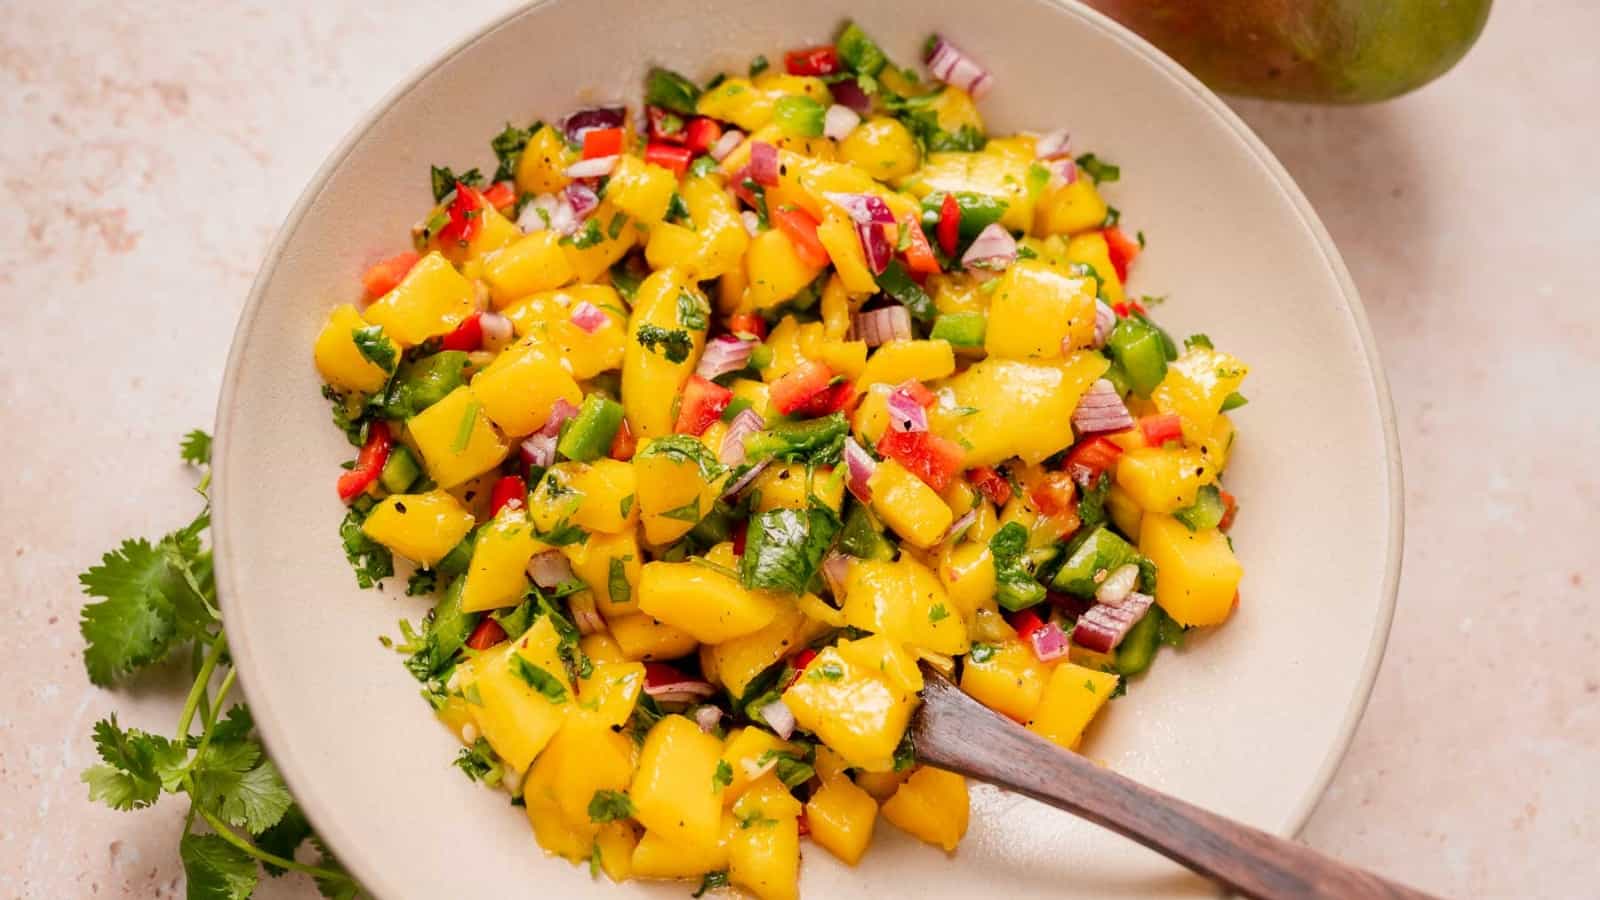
(146,166)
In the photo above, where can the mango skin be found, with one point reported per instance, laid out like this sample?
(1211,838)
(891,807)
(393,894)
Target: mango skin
(1309,51)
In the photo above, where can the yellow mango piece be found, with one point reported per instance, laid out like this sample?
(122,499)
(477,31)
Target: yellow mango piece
(1070,209)
(774,270)
(607,486)
(1071,698)
(675,791)
(678,482)
(841,816)
(616,842)
(905,601)
(551,828)
(640,189)
(517,718)
(900,361)
(542,169)
(423,528)
(1012,400)
(339,360)
(784,342)
(764,856)
(846,358)
(750,104)
(594,758)
(657,856)
(535,262)
(882,147)
(886,656)
(714,247)
(1002,176)
(601,647)
(456,439)
(871,418)
(1218,445)
(837,308)
(653,376)
(1009,679)
(495,233)
(907,505)
(859,712)
(1091,249)
(671,244)
(609,564)
(932,805)
(1197,575)
(839,238)
(544,319)
(497,575)
(749,753)
(702,601)
(784,486)
(1162,480)
(610,693)
(1037,310)
(617,235)
(1195,386)
(643,638)
(1125,513)
(520,388)
(739,660)
(956,110)
(431,300)
(881,785)
(967,573)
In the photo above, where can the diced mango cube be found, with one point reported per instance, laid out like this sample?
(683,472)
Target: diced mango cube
(520,694)
(520,388)
(536,262)
(900,361)
(932,805)
(609,564)
(431,300)
(643,638)
(675,792)
(497,575)
(907,505)
(841,816)
(1071,698)
(423,528)
(859,712)
(1037,311)
(905,601)
(1197,575)
(1163,480)
(457,440)
(339,361)
(1008,678)
(703,601)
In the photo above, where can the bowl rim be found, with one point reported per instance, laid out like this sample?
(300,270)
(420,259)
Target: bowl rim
(250,667)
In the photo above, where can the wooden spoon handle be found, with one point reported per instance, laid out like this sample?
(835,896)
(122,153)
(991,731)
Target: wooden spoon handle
(955,732)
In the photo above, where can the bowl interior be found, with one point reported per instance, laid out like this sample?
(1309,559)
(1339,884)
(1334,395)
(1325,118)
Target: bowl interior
(1248,720)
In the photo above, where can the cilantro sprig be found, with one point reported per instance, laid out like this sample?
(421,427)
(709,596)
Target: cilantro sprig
(154,602)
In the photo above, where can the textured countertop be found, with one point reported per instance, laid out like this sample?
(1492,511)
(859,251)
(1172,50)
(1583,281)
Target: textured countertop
(149,151)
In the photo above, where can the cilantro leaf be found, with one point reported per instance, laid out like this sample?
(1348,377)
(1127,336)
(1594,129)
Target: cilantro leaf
(375,348)
(125,632)
(479,763)
(538,679)
(723,776)
(1101,171)
(239,785)
(196,448)
(712,881)
(371,560)
(508,146)
(684,448)
(284,838)
(784,547)
(1015,587)
(443,181)
(1092,505)
(693,311)
(609,806)
(130,776)
(674,343)
(216,869)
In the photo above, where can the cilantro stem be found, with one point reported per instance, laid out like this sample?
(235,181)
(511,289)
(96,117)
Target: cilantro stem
(201,680)
(232,837)
(210,722)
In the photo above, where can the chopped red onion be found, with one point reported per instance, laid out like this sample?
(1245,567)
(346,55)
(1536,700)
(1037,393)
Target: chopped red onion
(951,66)
(1104,626)
(708,717)
(839,122)
(875,245)
(754,768)
(959,527)
(723,355)
(905,413)
(836,571)
(587,619)
(1117,585)
(861,465)
(1101,410)
(880,326)
(1064,170)
(539,450)
(589,317)
(779,718)
(726,144)
(850,94)
(743,481)
(581,198)
(668,685)
(1049,642)
(746,423)
(497,330)
(549,568)
(1055,145)
(752,222)
(580,123)
(592,168)
(864,209)
(1105,319)
(763,163)
(545,211)
(560,412)
(993,248)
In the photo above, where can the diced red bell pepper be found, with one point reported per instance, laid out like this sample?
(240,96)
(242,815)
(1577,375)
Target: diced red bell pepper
(748,323)
(801,229)
(600,142)
(1158,429)
(919,253)
(802,824)
(658,675)
(510,489)
(924,454)
(487,633)
(384,276)
(465,214)
(369,462)
(949,224)
(1089,458)
(1128,308)
(1071,605)
(1054,493)
(803,659)
(702,403)
(701,134)
(918,392)
(1230,508)
(501,195)
(623,445)
(665,125)
(1122,249)
(820,60)
(468,336)
(669,156)
(805,388)
(990,484)
(1026,623)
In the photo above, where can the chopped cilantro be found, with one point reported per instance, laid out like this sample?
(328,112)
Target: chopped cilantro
(723,776)
(444,181)
(609,806)
(938,613)
(469,420)
(538,679)
(981,653)
(674,344)
(1098,169)
(375,348)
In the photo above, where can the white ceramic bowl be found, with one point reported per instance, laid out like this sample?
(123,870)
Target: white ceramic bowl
(1249,720)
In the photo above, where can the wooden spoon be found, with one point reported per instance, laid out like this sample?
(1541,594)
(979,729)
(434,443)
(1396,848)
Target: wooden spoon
(955,732)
